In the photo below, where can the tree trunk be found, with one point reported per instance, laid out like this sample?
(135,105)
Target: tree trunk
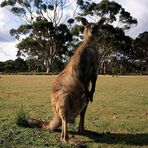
(104,67)
(101,67)
(48,65)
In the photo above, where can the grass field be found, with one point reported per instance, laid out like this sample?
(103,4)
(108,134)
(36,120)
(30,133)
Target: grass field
(118,116)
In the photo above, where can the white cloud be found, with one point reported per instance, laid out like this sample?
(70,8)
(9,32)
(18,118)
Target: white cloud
(4,34)
(7,42)
(8,50)
(137,8)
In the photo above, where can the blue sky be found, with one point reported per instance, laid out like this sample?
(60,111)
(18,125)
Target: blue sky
(8,50)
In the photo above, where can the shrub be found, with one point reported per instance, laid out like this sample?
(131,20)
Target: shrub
(21,118)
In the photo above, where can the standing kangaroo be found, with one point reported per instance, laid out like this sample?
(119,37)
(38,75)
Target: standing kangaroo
(70,91)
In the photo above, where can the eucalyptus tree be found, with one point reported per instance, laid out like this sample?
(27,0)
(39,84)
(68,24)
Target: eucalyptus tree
(140,45)
(42,33)
(140,51)
(118,21)
(44,36)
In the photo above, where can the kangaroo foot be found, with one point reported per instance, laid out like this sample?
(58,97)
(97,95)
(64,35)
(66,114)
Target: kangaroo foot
(65,139)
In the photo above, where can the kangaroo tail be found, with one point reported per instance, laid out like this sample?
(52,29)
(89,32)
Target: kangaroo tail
(54,124)
(35,123)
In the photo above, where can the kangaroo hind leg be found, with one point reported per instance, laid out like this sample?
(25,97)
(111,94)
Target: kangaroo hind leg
(64,110)
(81,128)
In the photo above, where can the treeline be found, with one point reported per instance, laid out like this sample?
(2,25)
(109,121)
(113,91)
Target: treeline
(29,65)
(114,67)
(48,36)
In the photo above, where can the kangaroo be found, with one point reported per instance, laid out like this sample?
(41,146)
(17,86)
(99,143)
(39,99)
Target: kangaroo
(70,91)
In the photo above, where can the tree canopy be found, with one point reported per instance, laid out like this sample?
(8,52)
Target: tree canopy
(43,35)
(112,39)
(48,37)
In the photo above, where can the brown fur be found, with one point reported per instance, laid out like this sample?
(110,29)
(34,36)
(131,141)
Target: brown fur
(70,91)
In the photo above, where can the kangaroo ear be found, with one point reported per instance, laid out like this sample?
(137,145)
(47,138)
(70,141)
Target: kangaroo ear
(84,21)
(101,21)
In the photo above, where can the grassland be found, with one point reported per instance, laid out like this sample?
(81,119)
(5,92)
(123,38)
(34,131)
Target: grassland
(118,116)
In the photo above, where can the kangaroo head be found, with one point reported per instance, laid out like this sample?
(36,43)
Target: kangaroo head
(91,29)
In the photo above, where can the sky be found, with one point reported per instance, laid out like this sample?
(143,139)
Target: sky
(8,50)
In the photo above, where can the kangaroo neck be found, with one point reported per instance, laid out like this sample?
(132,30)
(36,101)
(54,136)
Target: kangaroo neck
(89,41)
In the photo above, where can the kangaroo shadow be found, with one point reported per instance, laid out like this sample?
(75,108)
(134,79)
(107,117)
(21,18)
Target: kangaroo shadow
(139,139)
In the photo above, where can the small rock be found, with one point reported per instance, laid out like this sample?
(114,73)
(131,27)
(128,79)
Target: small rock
(114,117)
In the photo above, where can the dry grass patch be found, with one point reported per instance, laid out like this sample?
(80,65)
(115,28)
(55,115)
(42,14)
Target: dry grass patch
(118,116)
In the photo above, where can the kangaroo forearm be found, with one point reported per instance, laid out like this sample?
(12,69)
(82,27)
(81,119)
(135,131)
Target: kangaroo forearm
(93,81)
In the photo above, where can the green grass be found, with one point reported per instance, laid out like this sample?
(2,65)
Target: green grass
(22,117)
(118,116)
